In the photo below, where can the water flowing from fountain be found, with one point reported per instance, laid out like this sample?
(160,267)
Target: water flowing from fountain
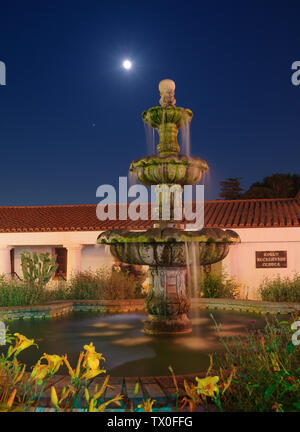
(150,139)
(185,136)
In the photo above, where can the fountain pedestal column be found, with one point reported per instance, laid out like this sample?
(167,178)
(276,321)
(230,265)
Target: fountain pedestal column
(167,303)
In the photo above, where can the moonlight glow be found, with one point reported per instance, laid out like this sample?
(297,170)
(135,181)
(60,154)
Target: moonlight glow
(127,64)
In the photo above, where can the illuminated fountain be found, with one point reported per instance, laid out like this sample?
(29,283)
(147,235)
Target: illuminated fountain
(164,248)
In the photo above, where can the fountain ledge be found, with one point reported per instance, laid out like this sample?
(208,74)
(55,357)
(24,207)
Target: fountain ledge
(59,308)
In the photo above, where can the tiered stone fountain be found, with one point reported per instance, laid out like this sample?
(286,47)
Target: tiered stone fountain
(164,247)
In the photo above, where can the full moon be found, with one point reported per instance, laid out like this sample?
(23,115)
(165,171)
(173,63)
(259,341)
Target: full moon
(127,64)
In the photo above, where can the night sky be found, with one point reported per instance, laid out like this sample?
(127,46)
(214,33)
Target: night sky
(70,115)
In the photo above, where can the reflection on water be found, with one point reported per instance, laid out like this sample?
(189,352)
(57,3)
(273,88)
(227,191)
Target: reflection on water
(127,350)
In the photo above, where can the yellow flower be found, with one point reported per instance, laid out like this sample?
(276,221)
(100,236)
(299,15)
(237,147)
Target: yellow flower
(274,362)
(207,386)
(101,391)
(21,344)
(190,402)
(211,363)
(66,361)
(115,400)
(92,407)
(92,358)
(77,372)
(20,375)
(228,382)
(39,372)
(147,405)
(54,362)
(87,395)
(11,398)
(54,398)
(173,377)
(90,361)
(90,373)
(201,294)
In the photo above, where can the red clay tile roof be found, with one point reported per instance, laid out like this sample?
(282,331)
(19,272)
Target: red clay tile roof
(281,212)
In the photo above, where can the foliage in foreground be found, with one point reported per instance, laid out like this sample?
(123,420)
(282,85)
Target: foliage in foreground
(267,369)
(281,289)
(258,373)
(21,391)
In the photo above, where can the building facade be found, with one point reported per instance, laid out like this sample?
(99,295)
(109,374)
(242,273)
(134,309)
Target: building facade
(269,230)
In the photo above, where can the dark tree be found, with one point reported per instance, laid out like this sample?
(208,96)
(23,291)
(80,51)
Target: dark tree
(275,186)
(231,188)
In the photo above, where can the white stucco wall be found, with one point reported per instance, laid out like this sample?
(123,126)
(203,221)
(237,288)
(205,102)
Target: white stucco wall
(84,253)
(241,263)
(93,257)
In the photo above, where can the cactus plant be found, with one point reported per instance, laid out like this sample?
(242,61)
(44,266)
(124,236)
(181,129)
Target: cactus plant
(38,270)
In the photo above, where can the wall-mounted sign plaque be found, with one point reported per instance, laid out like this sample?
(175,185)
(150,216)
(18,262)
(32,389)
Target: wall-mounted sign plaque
(271,259)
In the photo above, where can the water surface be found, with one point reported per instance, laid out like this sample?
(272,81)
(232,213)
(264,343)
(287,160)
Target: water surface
(127,350)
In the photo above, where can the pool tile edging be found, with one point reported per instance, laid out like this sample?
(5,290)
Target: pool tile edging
(61,307)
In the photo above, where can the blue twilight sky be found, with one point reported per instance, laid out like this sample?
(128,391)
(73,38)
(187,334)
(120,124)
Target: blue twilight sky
(70,115)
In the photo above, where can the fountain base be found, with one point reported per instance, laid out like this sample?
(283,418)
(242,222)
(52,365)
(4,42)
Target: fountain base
(167,303)
(161,326)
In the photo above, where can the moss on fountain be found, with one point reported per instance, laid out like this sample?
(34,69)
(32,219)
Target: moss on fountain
(167,246)
(169,235)
(169,169)
(167,120)
(156,116)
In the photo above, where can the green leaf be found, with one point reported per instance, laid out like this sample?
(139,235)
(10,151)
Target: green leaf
(290,347)
(269,391)
(297,405)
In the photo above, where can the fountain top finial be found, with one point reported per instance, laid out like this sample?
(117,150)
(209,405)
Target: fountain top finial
(167,91)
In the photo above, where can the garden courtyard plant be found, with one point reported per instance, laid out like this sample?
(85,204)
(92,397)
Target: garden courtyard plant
(38,269)
(213,285)
(37,286)
(22,391)
(281,289)
(267,369)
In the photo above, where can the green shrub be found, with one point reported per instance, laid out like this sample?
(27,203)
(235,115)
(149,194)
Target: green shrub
(281,289)
(218,285)
(267,369)
(104,284)
(17,293)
